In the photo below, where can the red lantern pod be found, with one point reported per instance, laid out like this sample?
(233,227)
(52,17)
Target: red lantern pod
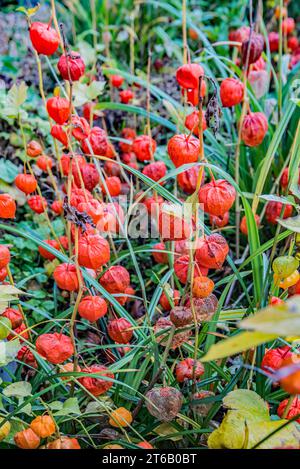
(93,208)
(231,92)
(33,149)
(273,358)
(241,34)
(165,302)
(20,333)
(273,211)
(187,180)
(90,176)
(189,369)
(255,48)
(144,147)
(4,256)
(93,251)
(291,382)
(37,203)
(66,278)
(160,257)
(27,439)
(3,274)
(57,207)
(55,348)
(63,443)
(293,43)
(120,331)
(202,287)
(116,279)
(59,134)
(79,195)
(155,171)
(128,134)
(212,251)
(293,411)
(116,81)
(113,185)
(111,168)
(254,128)
(192,122)
(182,268)
(47,254)
(45,39)
(26,183)
(97,386)
(288,26)
(77,161)
(243,224)
(7,206)
(58,109)
(173,227)
(188,75)
(80,128)
(217,197)
(273,39)
(71,66)
(219,220)
(14,315)
(44,162)
(126,96)
(192,96)
(92,308)
(98,142)
(183,149)
(27,357)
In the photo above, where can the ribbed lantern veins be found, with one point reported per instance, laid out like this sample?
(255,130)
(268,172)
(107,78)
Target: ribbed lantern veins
(45,39)
(252,48)
(7,206)
(92,308)
(231,92)
(55,348)
(192,122)
(95,384)
(66,277)
(58,109)
(26,183)
(120,330)
(93,251)
(211,251)
(187,180)
(71,66)
(254,129)
(183,149)
(217,197)
(144,147)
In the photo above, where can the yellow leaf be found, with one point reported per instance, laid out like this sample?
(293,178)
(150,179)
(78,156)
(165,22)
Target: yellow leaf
(282,320)
(237,344)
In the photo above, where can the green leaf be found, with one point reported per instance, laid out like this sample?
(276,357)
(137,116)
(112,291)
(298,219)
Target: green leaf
(87,51)
(84,93)
(8,351)
(236,344)
(70,406)
(18,389)
(292,223)
(8,170)
(275,198)
(15,98)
